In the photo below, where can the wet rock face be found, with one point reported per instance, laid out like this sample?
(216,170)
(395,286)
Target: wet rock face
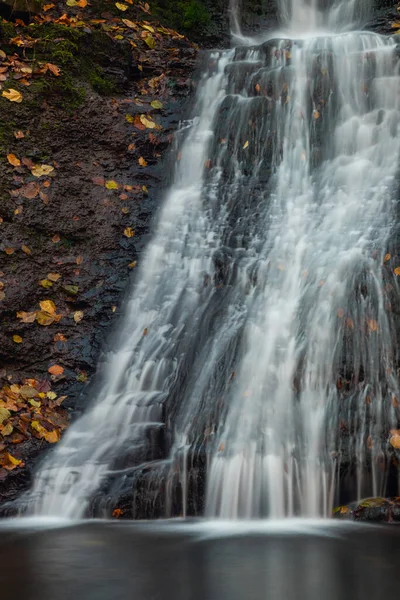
(385,510)
(75,237)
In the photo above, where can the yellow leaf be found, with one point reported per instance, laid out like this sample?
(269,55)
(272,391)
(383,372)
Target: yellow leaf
(129,118)
(51,395)
(156,104)
(14,460)
(387,258)
(71,3)
(40,170)
(144,189)
(151,42)
(246,145)
(46,283)
(43,318)
(149,28)
(26,249)
(4,414)
(397,271)
(111,185)
(133,264)
(35,403)
(147,123)
(48,306)
(78,316)
(142,162)
(12,95)
(7,429)
(13,160)
(128,232)
(53,276)
(3,54)
(17,339)
(316,114)
(129,24)
(121,6)
(47,7)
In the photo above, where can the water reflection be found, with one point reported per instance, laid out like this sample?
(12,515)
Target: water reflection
(107,561)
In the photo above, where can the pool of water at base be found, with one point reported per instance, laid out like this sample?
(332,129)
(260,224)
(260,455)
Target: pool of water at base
(43,559)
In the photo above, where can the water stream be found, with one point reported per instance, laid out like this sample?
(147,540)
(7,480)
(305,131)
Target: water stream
(257,341)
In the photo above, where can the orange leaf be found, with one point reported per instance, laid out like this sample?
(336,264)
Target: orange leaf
(13,160)
(56,370)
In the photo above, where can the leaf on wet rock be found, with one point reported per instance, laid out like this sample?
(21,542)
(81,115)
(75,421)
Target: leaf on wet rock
(111,185)
(395,440)
(26,317)
(56,370)
(129,232)
(397,271)
(40,170)
(130,24)
(17,339)
(78,316)
(151,42)
(46,283)
(48,306)
(53,277)
(7,430)
(12,95)
(121,6)
(4,414)
(246,145)
(44,318)
(387,258)
(53,69)
(142,162)
(71,290)
(13,160)
(156,104)
(147,122)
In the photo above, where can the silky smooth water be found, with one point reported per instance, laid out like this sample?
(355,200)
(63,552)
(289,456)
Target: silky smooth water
(258,322)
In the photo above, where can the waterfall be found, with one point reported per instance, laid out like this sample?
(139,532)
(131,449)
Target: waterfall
(257,342)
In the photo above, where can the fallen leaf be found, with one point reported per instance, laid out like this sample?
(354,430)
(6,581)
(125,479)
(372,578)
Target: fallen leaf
(47,7)
(19,135)
(79,260)
(53,277)
(4,414)
(13,160)
(395,441)
(246,145)
(59,337)
(133,264)
(48,306)
(17,339)
(397,271)
(12,95)
(46,283)
(117,512)
(142,162)
(44,318)
(7,429)
(56,370)
(129,232)
(151,42)
(111,185)
(25,249)
(121,6)
(387,258)
(147,122)
(78,316)
(40,170)
(56,238)
(26,317)
(53,68)
(156,104)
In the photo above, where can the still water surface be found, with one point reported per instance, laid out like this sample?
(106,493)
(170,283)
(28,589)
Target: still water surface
(290,560)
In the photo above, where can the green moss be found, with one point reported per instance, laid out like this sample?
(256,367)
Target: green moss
(100,84)
(184,15)
(63,92)
(7,31)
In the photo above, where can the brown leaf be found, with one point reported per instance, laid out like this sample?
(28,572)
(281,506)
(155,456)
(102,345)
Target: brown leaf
(13,160)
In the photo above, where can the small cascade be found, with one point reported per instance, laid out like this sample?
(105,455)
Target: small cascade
(255,369)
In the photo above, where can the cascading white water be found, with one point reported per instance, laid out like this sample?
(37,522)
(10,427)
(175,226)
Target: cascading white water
(261,294)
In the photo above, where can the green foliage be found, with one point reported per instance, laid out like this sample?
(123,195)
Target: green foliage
(184,15)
